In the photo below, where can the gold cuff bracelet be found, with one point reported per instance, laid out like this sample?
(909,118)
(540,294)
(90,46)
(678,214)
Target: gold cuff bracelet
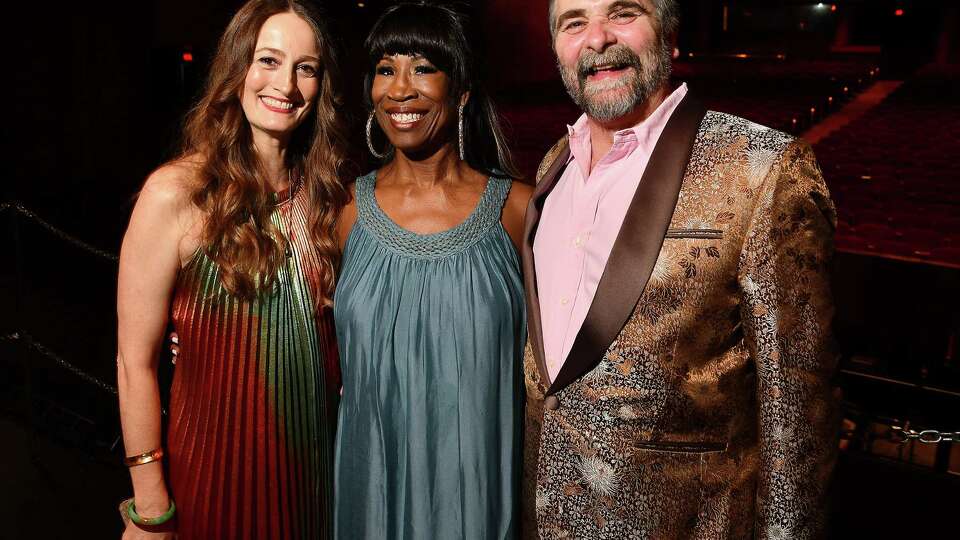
(143,459)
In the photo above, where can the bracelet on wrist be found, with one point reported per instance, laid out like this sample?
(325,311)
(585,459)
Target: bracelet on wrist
(143,459)
(149,522)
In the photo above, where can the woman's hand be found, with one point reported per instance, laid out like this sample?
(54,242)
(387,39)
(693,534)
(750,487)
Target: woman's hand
(174,347)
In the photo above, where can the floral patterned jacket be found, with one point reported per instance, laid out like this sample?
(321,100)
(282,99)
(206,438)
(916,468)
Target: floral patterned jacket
(696,400)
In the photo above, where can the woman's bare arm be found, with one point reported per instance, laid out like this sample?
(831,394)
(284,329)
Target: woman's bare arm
(149,261)
(515,210)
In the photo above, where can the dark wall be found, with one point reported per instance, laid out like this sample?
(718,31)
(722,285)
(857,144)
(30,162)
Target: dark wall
(99,90)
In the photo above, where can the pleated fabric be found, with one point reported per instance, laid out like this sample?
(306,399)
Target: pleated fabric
(431,330)
(253,400)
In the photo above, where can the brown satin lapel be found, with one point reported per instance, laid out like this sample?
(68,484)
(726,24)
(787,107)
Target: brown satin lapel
(638,244)
(532,220)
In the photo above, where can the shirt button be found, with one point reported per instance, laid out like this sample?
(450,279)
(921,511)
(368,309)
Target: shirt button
(578,241)
(551,403)
(564,301)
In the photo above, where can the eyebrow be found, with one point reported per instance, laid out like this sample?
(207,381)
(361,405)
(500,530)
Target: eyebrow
(570,14)
(619,4)
(278,52)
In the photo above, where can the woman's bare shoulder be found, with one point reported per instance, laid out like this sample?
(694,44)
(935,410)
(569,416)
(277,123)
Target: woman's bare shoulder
(174,181)
(348,215)
(171,184)
(520,193)
(515,210)
(167,198)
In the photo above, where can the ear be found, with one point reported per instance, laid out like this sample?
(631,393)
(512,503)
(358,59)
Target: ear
(464,98)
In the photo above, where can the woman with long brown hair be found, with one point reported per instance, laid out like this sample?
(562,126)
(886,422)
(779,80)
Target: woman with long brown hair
(234,242)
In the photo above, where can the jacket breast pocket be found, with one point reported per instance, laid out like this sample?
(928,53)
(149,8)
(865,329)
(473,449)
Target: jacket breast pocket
(697,234)
(681,447)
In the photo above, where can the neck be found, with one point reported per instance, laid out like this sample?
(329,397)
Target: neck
(601,132)
(441,166)
(272,153)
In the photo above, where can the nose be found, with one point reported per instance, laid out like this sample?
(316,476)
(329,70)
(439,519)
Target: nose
(400,88)
(285,81)
(599,36)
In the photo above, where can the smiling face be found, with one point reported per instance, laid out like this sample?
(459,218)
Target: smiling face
(283,80)
(611,53)
(412,103)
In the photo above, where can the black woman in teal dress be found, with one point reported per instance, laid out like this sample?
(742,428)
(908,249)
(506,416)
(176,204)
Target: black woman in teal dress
(429,304)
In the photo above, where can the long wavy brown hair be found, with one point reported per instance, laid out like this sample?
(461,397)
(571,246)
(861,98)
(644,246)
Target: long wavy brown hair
(238,234)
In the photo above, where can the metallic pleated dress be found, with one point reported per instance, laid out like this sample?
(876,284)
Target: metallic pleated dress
(253,401)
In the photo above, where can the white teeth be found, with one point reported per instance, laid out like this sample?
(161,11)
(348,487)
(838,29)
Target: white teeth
(406,118)
(277,104)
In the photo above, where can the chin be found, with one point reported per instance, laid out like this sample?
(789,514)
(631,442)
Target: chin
(408,146)
(277,129)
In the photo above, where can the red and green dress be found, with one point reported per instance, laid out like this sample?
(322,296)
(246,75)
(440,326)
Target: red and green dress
(253,401)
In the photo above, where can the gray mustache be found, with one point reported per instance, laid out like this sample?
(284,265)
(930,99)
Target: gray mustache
(618,55)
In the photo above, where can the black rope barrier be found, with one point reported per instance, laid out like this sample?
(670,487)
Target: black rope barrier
(27,213)
(59,361)
(27,341)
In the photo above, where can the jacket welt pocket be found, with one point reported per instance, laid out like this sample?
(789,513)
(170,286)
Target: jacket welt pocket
(705,234)
(681,447)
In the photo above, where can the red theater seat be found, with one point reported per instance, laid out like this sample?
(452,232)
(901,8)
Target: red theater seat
(894,174)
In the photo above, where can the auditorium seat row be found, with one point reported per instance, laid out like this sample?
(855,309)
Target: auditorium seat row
(895,176)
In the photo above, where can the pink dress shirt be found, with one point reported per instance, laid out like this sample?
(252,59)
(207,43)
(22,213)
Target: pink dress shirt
(580,222)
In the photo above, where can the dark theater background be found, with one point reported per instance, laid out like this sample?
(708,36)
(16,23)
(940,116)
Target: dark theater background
(99,90)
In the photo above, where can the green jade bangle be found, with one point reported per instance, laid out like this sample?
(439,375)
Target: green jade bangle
(159,520)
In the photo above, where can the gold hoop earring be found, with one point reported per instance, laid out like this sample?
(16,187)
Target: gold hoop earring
(370,137)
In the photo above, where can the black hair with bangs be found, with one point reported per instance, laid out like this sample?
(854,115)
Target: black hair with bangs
(442,35)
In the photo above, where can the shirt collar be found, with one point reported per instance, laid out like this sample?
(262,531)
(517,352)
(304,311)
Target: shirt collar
(644,134)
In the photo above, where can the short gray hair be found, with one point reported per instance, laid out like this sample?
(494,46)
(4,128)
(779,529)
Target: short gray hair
(667,12)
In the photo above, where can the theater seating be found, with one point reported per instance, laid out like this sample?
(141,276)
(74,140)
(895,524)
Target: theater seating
(783,94)
(895,176)
(786,95)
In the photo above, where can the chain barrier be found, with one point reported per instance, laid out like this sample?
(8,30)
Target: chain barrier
(16,336)
(928,436)
(82,375)
(26,212)
(39,347)
(897,434)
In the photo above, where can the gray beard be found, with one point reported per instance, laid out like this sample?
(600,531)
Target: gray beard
(651,70)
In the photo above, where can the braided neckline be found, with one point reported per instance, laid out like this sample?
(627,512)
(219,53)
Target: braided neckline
(430,246)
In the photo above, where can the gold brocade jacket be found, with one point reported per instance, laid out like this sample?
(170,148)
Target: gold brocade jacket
(696,400)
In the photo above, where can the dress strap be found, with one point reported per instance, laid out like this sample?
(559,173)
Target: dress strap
(363,191)
(430,246)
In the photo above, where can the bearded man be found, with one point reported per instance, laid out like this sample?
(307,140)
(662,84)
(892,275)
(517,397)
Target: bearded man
(679,363)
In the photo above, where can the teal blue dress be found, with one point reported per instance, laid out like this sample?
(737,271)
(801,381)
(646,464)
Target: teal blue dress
(431,331)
